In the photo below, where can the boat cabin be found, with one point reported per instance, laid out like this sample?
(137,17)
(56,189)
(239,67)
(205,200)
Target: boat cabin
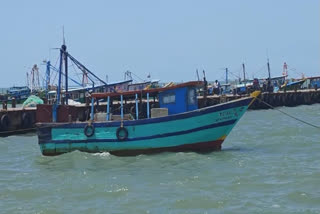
(172,100)
(178,100)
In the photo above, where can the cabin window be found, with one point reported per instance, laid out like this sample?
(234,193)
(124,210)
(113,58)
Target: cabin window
(169,98)
(75,96)
(192,97)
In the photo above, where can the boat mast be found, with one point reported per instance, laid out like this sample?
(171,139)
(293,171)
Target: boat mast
(65,59)
(269,80)
(225,89)
(47,78)
(197,75)
(244,76)
(226,75)
(28,82)
(268,64)
(285,70)
(60,75)
(244,72)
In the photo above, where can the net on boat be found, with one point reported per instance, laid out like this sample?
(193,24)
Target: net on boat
(32,101)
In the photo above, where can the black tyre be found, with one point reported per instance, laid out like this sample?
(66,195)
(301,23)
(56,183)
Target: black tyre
(89,130)
(26,120)
(5,122)
(122,133)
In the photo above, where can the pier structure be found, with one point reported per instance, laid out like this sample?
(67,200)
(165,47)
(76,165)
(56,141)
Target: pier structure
(22,120)
(287,98)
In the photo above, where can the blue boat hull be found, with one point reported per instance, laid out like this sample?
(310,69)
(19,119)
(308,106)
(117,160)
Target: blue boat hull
(201,130)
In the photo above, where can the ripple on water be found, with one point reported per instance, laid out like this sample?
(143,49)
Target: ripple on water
(269,164)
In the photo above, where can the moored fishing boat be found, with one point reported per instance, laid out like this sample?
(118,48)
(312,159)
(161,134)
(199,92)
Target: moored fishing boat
(292,85)
(20,94)
(178,125)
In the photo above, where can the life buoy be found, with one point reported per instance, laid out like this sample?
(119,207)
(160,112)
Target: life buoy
(88,130)
(122,133)
(5,122)
(26,120)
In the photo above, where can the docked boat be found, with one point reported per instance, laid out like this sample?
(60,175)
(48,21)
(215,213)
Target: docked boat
(143,85)
(78,94)
(311,83)
(292,85)
(178,125)
(19,93)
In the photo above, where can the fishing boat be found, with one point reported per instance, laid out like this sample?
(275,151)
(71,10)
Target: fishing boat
(292,85)
(19,93)
(78,94)
(178,125)
(312,82)
(143,85)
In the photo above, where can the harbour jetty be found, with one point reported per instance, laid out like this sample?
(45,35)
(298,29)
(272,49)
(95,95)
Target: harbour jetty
(281,98)
(22,120)
(17,121)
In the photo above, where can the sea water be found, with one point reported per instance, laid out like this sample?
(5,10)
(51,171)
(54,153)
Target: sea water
(269,163)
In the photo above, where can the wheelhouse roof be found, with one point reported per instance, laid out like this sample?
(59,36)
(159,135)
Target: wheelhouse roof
(152,91)
(89,87)
(146,82)
(316,77)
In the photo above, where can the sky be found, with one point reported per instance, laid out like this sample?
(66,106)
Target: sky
(167,39)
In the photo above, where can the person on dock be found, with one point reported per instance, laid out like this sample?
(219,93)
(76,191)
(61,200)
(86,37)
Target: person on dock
(216,87)
(255,84)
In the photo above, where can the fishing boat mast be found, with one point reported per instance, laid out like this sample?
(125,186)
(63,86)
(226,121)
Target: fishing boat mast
(47,77)
(244,76)
(226,75)
(269,75)
(244,72)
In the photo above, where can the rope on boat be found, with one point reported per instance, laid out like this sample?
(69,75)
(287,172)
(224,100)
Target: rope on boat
(293,117)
